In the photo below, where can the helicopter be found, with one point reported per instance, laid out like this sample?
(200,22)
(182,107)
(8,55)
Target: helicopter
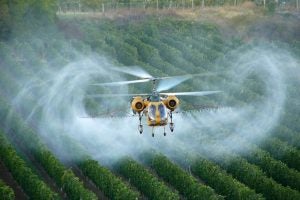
(157,106)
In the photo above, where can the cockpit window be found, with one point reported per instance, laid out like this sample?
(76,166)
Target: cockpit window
(162,111)
(151,111)
(155,98)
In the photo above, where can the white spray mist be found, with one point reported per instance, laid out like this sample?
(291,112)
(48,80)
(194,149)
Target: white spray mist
(61,100)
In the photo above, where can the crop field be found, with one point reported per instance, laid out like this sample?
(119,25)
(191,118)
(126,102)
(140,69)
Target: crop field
(58,143)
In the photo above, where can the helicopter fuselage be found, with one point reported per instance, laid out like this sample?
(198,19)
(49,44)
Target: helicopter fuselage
(157,114)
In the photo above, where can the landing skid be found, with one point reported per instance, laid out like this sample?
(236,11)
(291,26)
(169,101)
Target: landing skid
(152,131)
(171,125)
(140,127)
(164,131)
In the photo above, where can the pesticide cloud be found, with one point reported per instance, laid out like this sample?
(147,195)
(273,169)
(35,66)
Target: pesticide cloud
(62,115)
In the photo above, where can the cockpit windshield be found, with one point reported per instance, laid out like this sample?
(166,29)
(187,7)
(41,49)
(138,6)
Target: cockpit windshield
(151,112)
(162,111)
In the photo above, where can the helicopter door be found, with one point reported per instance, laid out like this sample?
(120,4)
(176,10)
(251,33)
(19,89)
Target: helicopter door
(162,111)
(152,112)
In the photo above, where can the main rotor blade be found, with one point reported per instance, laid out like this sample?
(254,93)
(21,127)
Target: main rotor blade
(114,95)
(169,82)
(199,93)
(135,71)
(121,82)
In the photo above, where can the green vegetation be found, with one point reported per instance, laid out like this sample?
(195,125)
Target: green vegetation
(6,193)
(274,168)
(283,151)
(186,184)
(108,5)
(221,181)
(74,187)
(30,182)
(64,178)
(255,178)
(23,15)
(34,41)
(112,186)
(146,182)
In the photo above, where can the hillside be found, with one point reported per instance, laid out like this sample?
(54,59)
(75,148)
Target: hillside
(51,147)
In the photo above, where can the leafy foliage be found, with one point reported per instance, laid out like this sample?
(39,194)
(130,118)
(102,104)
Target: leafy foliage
(163,47)
(221,181)
(74,187)
(64,178)
(30,182)
(274,168)
(6,193)
(146,182)
(255,178)
(112,186)
(186,184)
(283,151)
(19,15)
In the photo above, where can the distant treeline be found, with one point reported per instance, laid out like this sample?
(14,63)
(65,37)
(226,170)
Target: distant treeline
(103,5)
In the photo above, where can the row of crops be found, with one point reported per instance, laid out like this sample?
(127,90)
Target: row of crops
(6,192)
(162,47)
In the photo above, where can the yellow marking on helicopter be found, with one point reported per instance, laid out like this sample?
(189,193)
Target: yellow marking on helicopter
(156,108)
(157,114)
